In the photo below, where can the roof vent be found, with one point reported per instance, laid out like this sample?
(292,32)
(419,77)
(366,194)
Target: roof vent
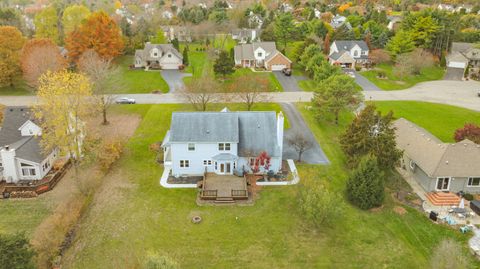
(208,131)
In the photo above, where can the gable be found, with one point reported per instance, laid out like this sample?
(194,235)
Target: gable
(30,129)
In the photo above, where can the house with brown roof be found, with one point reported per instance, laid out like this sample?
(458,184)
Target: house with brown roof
(435,165)
(261,55)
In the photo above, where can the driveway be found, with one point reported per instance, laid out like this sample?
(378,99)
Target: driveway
(366,84)
(289,83)
(315,154)
(174,79)
(454,73)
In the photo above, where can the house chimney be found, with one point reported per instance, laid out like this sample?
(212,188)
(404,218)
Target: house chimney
(280,123)
(7,147)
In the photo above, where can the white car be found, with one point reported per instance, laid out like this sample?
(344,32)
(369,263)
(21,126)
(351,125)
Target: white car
(125,100)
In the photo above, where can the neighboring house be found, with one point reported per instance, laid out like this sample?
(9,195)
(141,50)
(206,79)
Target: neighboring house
(348,53)
(255,20)
(338,21)
(246,35)
(171,32)
(261,55)
(446,7)
(438,166)
(462,55)
(21,156)
(222,142)
(393,22)
(158,56)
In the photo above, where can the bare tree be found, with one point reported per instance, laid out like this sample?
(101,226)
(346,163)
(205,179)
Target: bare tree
(104,78)
(300,143)
(413,62)
(200,92)
(250,89)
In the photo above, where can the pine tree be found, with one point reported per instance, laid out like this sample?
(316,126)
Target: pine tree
(185,56)
(365,186)
(175,43)
(224,65)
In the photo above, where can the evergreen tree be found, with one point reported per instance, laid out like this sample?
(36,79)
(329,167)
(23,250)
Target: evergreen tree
(224,65)
(284,28)
(185,56)
(175,43)
(365,186)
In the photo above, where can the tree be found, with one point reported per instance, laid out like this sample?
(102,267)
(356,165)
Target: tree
(261,162)
(300,143)
(319,205)
(424,32)
(38,57)
(336,94)
(309,53)
(371,133)
(64,105)
(365,186)
(16,252)
(224,65)
(159,38)
(250,89)
(448,255)
(185,56)
(469,131)
(413,62)
(379,56)
(73,16)
(268,34)
(326,44)
(102,74)
(11,42)
(98,32)
(402,42)
(325,70)
(46,24)
(175,43)
(284,28)
(10,17)
(200,92)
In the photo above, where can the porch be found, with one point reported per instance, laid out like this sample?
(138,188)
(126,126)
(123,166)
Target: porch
(223,188)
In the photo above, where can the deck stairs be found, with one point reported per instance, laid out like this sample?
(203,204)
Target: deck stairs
(443,198)
(224,200)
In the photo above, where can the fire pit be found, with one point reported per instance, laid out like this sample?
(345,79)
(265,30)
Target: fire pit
(196,219)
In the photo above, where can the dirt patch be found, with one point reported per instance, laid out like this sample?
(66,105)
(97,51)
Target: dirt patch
(400,210)
(376,209)
(120,125)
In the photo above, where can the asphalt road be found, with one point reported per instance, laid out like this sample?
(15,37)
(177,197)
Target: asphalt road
(365,83)
(174,79)
(453,74)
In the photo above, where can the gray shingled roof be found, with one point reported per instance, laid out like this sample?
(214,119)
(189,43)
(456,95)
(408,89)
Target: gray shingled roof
(349,44)
(163,48)
(26,147)
(253,131)
(245,51)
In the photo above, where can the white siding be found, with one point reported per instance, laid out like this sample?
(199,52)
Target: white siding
(170,61)
(457,65)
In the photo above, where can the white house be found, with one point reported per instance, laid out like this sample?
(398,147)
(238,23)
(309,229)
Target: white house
(222,142)
(338,21)
(158,56)
(262,55)
(246,35)
(21,157)
(348,53)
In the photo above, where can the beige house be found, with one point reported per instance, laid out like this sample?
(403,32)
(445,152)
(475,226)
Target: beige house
(158,56)
(435,165)
(261,55)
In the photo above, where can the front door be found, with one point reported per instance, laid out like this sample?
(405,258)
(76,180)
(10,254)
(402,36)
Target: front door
(443,183)
(228,169)
(225,168)
(222,168)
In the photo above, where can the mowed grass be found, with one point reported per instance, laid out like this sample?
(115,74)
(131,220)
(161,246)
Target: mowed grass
(138,81)
(19,88)
(23,215)
(440,120)
(394,82)
(269,234)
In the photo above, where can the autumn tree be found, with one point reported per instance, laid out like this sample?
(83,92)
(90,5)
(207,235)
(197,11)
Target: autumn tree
(46,24)
(73,17)
(469,131)
(11,42)
(38,57)
(98,32)
(250,89)
(413,62)
(300,143)
(200,92)
(64,105)
(379,56)
(224,64)
(102,74)
(337,93)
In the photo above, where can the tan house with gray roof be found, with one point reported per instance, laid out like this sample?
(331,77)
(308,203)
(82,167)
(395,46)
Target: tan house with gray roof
(435,165)
(261,55)
(158,56)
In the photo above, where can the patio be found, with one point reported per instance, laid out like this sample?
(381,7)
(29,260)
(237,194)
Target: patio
(223,188)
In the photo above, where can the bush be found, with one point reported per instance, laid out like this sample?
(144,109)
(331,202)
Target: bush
(109,153)
(319,205)
(155,261)
(381,74)
(365,186)
(15,252)
(468,196)
(358,68)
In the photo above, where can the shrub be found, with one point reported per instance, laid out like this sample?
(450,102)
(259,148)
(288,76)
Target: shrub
(448,255)
(468,196)
(365,186)
(358,68)
(381,74)
(469,131)
(15,252)
(156,261)
(110,152)
(319,205)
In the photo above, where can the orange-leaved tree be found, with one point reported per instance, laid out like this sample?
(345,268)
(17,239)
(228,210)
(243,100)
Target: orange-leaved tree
(40,55)
(11,42)
(98,32)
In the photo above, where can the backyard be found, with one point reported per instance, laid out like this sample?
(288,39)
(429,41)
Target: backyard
(394,82)
(131,215)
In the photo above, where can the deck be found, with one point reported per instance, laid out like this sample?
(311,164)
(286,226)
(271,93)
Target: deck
(223,188)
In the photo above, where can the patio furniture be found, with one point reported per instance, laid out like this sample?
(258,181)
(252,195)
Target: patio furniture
(465,229)
(475,206)
(459,210)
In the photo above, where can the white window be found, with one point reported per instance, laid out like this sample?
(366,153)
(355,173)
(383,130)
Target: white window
(223,146)
(474,181)
(355,53)
(184,163)
(28,172)
(191,147)
(155,54)
(227,146)
(364,52)
(259,54)
(169,55)
(207,162)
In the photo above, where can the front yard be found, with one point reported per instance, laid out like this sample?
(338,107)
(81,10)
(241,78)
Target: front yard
(134,216)
(138,81)
(394,82)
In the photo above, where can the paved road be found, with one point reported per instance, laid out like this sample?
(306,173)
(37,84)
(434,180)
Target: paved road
(174,79)
(315,154)
(289,83)
(454,74)
(366,84)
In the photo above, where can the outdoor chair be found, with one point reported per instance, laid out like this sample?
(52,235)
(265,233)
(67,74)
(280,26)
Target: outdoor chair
(465,229)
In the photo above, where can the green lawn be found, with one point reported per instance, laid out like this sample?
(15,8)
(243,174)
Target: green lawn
(23,215)
(138,81)
(19,88)
(440,120)
(140,216)
(393,82)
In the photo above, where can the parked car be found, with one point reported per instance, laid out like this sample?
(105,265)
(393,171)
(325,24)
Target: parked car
(287,71)
(125,100)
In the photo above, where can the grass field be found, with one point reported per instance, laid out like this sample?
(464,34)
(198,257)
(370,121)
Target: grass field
(137,216)
(19,88)
(393,82)
(138,81)
(440,120)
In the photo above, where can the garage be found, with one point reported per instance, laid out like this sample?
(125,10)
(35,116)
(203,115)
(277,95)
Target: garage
(169,66)
(278,67)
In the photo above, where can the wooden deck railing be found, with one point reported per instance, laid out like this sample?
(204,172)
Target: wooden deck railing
(239,193)
(209,194)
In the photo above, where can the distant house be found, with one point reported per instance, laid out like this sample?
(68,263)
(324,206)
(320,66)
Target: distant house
(262,55)
(246,35)
(348,53)
(158,56)
(222,142)
(446,7)
(338,21)
(463,55)
(181,33)
(21,156)
(255,20)
(437,166)
(393,22)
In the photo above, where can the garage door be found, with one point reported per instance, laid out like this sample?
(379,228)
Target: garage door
(170,66)
(278,67)
(456,64)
